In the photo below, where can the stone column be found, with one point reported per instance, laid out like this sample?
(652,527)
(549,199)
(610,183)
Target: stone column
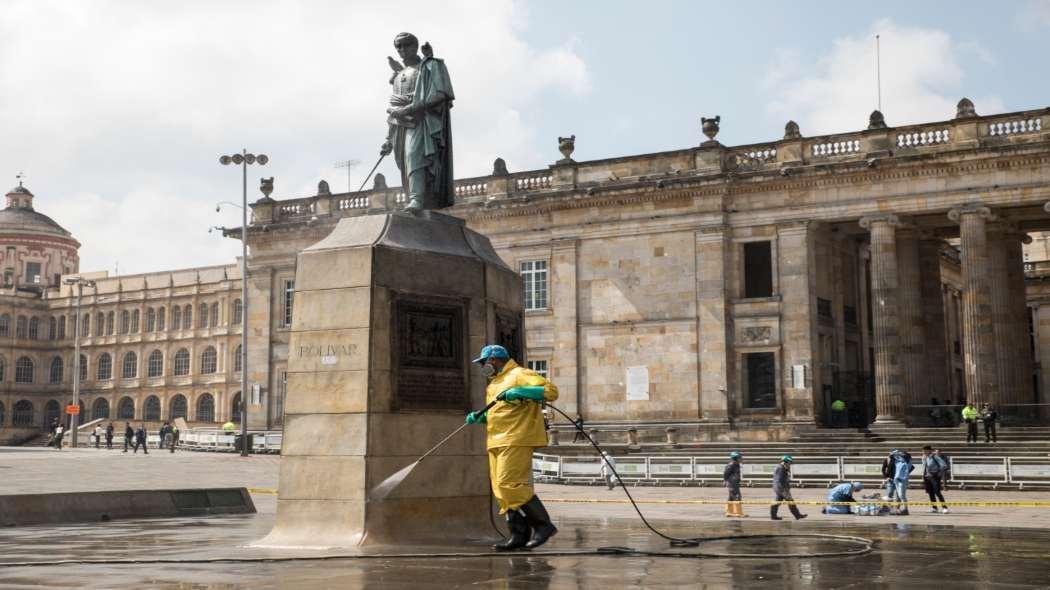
(885,281)
(1002,323)
(914,366)
(713,324)
(932,292)
(980,364)
(565,369)
(1019,345)
(796,269)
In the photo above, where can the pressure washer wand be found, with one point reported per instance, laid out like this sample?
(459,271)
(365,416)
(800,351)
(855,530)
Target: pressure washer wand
(455,432)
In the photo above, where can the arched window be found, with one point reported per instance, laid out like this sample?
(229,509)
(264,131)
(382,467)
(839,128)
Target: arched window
(52,413)
(155,364)
(61,327)
(109,323)
(52,328)
(208,360)
(34,328)
(126,408)
(100,324)
(238,311)
(187,317)
(125,321)
(152,408)
(202,316)
(85,325)
(24,370)
(5,325)
(3,372)
(104,370)
(151,319)
(21,327)
(22,415)
(134,321)
(178,407)
(237,359)
(215,314)
(205,408)
(235,408)
(131,366)
(176,318)
(160,320)
(56,370)
(100,409)
(83,368)
(182,362)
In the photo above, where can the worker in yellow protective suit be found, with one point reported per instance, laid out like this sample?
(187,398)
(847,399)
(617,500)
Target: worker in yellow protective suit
(515,430)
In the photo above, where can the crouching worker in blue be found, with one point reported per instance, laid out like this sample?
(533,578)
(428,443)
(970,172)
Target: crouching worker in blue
(515,430)
(842,493)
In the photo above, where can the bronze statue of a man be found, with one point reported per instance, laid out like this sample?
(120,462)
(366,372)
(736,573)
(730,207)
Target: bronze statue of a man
(420,134)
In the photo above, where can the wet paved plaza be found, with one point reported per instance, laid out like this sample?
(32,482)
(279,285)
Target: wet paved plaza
(922,551)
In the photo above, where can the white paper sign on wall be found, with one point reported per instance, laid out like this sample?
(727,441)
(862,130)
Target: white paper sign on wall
(798,376)
(638,383)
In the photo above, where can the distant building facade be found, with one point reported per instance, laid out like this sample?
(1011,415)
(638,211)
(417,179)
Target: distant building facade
(716,291)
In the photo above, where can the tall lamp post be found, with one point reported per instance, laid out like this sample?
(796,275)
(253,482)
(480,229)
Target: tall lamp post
(243,159)
(80,282)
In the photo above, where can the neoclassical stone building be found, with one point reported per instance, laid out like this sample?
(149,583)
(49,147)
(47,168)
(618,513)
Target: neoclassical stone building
(153,346)
(745,288)
(730,291)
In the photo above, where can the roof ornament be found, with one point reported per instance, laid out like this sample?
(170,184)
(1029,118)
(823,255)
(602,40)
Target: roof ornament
(20,176)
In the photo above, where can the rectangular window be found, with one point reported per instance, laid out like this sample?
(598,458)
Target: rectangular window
(824,309)
(539,366)
(758,269)
(534,279)
(278,400)
(760,376)
(286,312)
(33,273)
(849,315)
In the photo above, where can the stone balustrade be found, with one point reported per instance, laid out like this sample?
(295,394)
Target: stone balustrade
(794,152)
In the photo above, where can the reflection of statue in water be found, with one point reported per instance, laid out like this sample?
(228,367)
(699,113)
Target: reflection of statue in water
(420,134)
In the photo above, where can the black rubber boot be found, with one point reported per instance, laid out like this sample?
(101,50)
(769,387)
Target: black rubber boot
(773,509)
(519,532)
(540,521)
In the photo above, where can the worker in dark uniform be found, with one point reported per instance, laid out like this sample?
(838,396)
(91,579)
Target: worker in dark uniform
(782,489)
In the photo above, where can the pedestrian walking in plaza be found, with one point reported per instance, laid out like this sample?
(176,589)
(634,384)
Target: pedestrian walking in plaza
(129,436)
(98,436)
(933,469)
(731,480)
(841,494)
(989,417)
(782,489)
(56,438)
(608,465)
(969,415)
(174,434)
(838,414)
(902,469)
(887,474)
(109,436)
(165,435)
(140,439)
(578,422)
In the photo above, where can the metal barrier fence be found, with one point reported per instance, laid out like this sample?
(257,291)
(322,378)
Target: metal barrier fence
(822,470)
(262,442)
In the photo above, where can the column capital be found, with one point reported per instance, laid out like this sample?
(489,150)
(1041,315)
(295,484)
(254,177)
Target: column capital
(868,220)
(973,208)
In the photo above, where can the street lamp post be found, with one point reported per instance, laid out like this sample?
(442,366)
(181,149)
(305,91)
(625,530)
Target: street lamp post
(75,418)
(244,159)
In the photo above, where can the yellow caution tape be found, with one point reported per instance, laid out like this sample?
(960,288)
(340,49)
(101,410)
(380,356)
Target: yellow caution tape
(1004,504)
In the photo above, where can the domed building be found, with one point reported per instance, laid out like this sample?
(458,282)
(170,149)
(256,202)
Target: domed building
(36,250)
(154,347)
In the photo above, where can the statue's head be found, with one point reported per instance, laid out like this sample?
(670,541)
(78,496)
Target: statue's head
(406,44)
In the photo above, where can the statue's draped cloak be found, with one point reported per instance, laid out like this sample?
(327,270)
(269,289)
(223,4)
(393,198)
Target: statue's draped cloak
(429,144)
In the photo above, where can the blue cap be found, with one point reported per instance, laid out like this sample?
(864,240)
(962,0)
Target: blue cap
(734,455)
(786,459)
(857,485)
(492,351)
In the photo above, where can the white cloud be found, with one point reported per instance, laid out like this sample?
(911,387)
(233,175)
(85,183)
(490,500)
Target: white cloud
(1034,15)
(922,80)
(118,111)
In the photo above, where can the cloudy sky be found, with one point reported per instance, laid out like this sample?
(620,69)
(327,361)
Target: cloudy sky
(117,111)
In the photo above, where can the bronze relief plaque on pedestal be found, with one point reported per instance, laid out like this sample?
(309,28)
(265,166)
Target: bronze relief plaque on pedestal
(429,362)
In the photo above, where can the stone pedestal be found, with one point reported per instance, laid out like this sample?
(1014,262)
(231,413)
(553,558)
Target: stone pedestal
(388,309)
